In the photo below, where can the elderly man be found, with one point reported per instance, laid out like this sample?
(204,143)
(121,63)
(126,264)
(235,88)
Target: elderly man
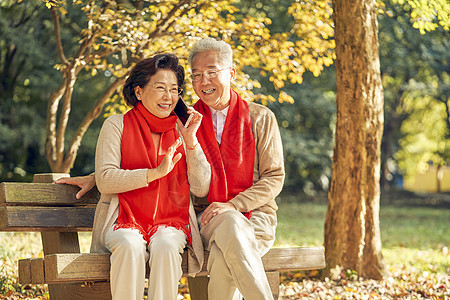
(242,143)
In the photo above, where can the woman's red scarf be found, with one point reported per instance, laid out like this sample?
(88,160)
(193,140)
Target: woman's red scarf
(232,163)
(164,202)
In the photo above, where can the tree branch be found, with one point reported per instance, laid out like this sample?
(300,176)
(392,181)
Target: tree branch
(163,24)
(90,117)
(59,47)
(71,77)
(52,109)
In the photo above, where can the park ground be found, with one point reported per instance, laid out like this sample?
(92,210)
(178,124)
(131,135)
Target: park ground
(415,233)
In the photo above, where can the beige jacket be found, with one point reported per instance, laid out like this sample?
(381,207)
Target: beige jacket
(111,180)
(268,173)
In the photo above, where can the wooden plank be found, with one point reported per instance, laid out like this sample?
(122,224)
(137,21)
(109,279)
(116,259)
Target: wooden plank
(48,177)
(31,270)
(60,242)
(76,267)
(93,266)
(297,258)
(24,271)
(46,194)
(21,218)
(37,271)
(3,218)
(86,267)
(81,291)
(274,282)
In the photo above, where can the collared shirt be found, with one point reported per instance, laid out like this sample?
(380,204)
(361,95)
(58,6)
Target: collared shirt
(218,118)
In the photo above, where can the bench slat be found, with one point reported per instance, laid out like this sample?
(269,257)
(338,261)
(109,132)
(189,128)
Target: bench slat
(73,267)
(298,258)
(21,218)
(25,270)
(95,266)
(14,193)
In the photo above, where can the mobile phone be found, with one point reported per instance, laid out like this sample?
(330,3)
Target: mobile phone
(181,111)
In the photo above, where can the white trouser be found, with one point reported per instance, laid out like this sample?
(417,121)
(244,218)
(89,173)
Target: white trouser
(129,253)
(236,246)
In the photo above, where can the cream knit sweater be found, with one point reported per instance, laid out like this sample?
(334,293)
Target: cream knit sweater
(111,180)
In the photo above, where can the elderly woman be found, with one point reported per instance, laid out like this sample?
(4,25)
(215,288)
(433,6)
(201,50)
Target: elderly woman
(145,173)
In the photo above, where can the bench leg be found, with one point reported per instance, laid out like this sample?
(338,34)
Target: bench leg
(80,291)
(274,282)
(198,287)
(59,242)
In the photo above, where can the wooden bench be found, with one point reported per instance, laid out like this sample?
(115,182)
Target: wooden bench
(53,210)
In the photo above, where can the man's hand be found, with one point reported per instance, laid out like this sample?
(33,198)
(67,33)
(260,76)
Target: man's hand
(215,209)
(86,183)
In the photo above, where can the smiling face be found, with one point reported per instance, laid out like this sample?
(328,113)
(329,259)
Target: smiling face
(159,95)
(215,92)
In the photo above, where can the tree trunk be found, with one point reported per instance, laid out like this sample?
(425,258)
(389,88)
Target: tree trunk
(352,232)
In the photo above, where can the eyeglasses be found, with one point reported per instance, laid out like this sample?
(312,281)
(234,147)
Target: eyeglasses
(197,76)
(162,88)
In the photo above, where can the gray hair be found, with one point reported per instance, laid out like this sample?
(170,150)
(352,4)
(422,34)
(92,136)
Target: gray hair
(210,44)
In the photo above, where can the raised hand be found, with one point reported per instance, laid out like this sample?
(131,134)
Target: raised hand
(170,159)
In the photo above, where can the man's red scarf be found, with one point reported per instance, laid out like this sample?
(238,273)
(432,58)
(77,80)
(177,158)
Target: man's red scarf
(232,163)
(164,202)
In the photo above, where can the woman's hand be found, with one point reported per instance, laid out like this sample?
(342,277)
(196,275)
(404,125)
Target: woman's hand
(167,163)
(86,183)
(189,133)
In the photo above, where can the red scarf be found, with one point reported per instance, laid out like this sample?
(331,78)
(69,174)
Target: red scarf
(232,164)
(164,202)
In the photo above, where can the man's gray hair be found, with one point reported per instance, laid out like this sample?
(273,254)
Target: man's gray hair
(210,44)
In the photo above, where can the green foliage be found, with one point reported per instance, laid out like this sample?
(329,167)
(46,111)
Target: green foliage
(306,128)
(307,124)
(424,137)
(415,78)
(28,54)
(26,78)
(427,15)
(351,275)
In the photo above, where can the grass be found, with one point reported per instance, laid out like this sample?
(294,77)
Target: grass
(414,237)
(302,224)
(415,227)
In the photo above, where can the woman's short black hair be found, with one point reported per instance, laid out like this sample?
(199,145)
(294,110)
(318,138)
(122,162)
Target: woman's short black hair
(142,72)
